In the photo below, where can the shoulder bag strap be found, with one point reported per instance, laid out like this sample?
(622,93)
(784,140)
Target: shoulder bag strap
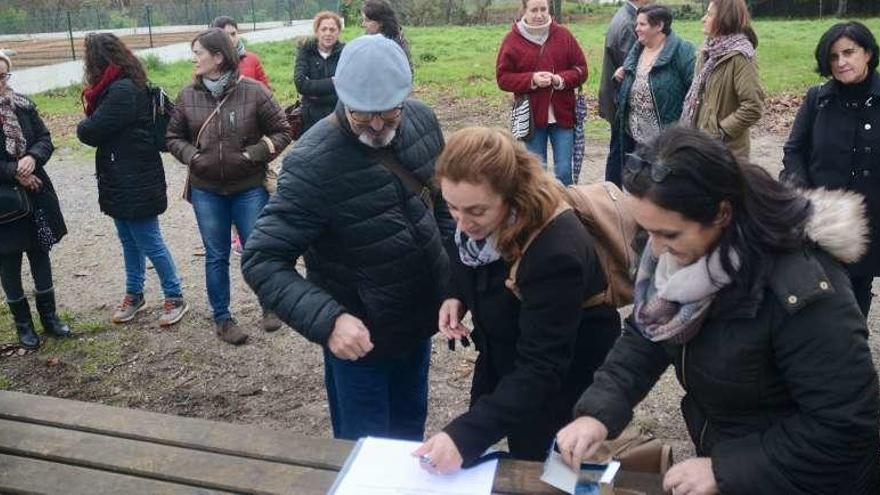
(210,116)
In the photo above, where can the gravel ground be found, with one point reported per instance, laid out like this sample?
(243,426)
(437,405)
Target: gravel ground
(276,380)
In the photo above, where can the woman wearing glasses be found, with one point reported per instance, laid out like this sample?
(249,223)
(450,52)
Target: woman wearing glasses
(540,347)
(226,129)
(541,60)
(835,140)
(741,289)
(27,146)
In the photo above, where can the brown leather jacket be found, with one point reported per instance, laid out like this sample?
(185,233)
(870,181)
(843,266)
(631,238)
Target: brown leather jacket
(238,142)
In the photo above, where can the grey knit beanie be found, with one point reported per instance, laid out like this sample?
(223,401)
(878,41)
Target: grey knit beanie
(373,74)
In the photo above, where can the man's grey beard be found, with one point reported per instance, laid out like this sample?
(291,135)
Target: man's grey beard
(381,142)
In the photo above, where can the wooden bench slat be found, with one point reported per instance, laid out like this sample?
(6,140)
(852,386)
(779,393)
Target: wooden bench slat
(162,462)
(194,433)
(25,475)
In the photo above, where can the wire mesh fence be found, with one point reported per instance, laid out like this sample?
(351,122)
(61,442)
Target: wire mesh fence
(45,16)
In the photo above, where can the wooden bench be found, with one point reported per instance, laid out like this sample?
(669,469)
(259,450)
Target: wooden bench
(50,445)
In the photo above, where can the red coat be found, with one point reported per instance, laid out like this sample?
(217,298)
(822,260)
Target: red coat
(518,60)
(250,66)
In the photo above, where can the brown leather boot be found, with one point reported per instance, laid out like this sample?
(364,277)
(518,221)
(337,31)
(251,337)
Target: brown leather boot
(228,331)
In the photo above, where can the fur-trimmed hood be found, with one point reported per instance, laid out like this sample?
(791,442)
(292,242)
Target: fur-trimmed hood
(838,223)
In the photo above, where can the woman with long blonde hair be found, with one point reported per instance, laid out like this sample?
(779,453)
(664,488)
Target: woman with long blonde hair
(538,345)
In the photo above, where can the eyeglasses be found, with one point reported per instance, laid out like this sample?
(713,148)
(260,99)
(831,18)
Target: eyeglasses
(5,76)
(367,117)
(659,172)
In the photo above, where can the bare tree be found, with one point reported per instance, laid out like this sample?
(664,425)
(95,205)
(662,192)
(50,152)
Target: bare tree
(841,8)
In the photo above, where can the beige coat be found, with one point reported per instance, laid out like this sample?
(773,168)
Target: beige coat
(731,102)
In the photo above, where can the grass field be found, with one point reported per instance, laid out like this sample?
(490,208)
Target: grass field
(459,62)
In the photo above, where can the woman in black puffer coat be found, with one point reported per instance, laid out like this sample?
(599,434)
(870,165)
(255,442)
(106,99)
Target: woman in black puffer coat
(131,181)
(315,66)
(26,147)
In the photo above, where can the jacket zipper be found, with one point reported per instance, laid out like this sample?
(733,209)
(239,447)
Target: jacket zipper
(220,140)
(654,100)
(702,434)
(683,370)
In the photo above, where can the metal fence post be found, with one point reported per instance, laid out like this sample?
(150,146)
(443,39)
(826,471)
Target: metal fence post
(253,15)
(70,35)
(150,22)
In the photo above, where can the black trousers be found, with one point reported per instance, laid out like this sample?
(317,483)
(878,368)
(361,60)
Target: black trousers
(862,290)
(10,272)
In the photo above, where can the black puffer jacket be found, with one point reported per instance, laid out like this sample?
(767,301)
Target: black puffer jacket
(21,235)
(371,249)
(313,78)
(131,180)
(780,389)
(538,355)
(835,143)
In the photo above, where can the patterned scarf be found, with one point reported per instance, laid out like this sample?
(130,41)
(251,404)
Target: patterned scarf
(671,301)
(90,94)
(714,50)
(240,48)
(218,87)
(16,144)
(474,253)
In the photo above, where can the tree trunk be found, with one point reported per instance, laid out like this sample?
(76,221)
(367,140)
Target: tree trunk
(841,8)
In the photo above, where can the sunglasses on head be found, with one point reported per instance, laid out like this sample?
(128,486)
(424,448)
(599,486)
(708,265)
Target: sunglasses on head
(657,171)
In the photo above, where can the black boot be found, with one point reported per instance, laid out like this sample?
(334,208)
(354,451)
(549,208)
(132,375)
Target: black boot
(24,324)
(52,324)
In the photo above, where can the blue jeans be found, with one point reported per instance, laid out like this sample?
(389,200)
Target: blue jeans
(562,141)
(142,239)
(215,214)
(613,164)
(386,398)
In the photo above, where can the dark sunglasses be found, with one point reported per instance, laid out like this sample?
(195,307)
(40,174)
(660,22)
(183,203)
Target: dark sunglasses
(658,172)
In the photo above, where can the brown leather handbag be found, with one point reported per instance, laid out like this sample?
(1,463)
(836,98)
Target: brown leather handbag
(295,118)
(638,450)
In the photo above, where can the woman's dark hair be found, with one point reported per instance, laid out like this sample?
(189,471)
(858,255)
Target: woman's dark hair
(223,21)
(657,14)
(382,12)
(853,30)
(766,216)
(215,41)
(103,49)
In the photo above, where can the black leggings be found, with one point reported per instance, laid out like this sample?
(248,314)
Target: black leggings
(10,272)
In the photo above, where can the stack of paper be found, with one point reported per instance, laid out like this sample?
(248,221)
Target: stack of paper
(379,466)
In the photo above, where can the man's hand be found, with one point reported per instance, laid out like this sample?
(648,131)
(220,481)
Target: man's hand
(439,455)
(691,477)
(26,166)
(350,338)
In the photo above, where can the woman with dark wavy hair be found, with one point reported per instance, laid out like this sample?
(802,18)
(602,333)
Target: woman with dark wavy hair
(131,181)
(835,139)
(539,346)
(741,290)
(378,17)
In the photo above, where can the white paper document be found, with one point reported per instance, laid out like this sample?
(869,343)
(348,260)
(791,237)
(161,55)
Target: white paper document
(380,466)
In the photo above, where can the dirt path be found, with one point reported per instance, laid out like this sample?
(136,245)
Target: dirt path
(277,379)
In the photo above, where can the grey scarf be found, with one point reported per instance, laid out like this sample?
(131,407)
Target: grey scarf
(536,34)
(218,87)
(240,48)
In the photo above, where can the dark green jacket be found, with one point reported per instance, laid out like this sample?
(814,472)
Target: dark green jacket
(670,78)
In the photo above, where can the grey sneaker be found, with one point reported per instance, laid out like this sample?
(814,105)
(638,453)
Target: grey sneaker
(172,311)
(228,331)
(271,322)
(130,306)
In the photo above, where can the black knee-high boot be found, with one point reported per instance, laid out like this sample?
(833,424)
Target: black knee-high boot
(24,324)
(52,324)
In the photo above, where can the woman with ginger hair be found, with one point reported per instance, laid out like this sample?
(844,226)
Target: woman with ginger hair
(538,347)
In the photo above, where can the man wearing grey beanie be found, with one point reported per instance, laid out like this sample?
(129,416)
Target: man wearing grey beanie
(355,199)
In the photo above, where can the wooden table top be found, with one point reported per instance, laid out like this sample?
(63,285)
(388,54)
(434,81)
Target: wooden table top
(51,445)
